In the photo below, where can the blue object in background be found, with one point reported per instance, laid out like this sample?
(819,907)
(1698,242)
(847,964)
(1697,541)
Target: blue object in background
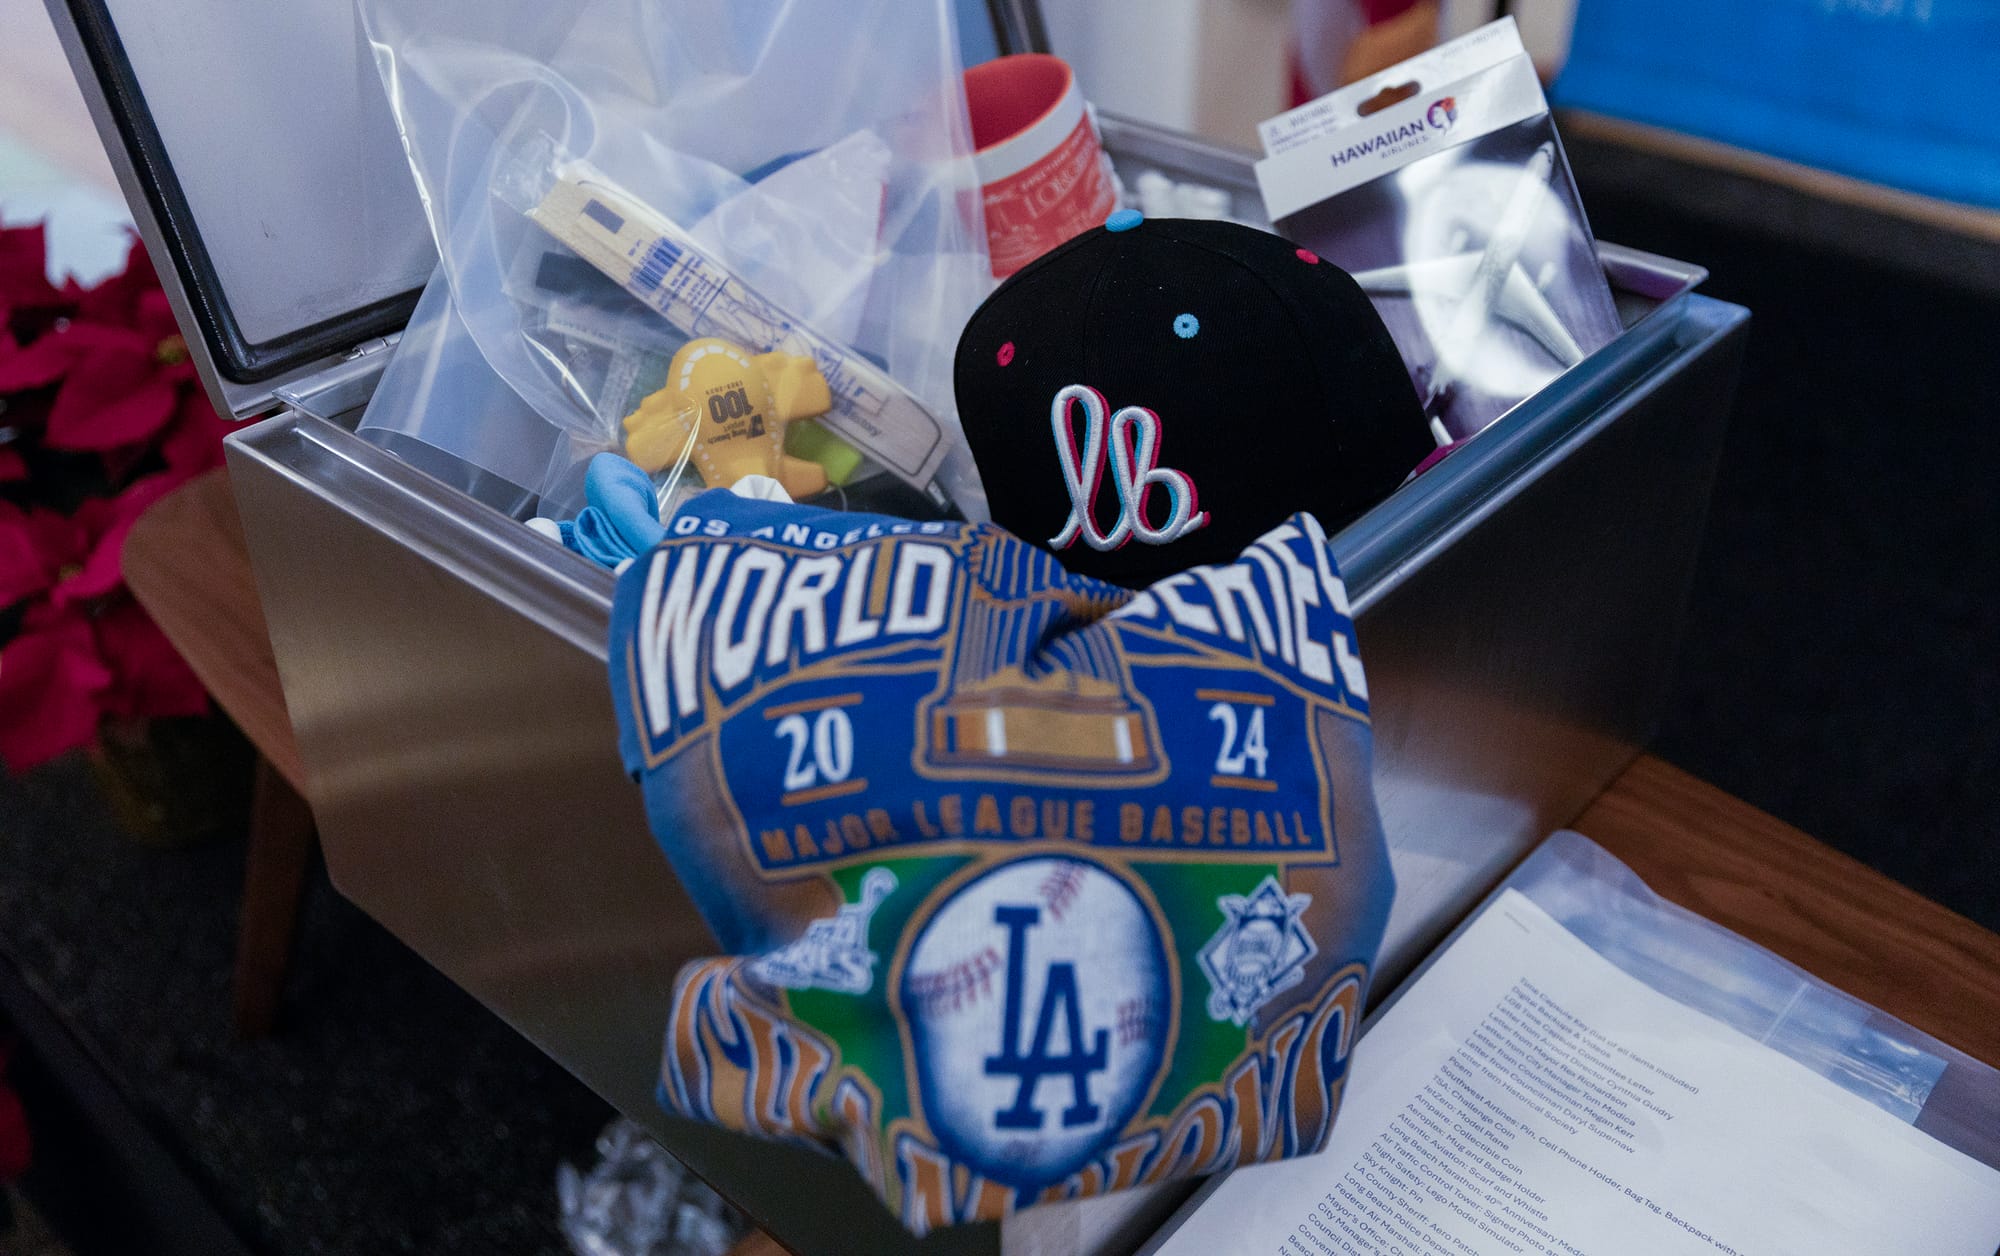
(975,32)
(1892,91)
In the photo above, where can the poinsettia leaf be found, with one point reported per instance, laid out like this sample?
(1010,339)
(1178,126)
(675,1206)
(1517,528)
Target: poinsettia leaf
(154,316)
(111,521)
(24,571)
(116,298)
(134,418)
(122,463)
(113,397)
(84,336)
(51,680)
(15,1145)
(37,365)
(16,1148)
(16,243)
(51,358)
(139,263)
(63,540)
(43,544)
(152,680)
(24,277)
(193,443)
(23,246)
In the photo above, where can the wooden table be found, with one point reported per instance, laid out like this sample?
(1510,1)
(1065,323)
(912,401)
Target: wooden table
(1829,914)
(187,563)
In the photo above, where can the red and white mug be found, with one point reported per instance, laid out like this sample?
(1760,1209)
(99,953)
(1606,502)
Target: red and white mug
(1042,172)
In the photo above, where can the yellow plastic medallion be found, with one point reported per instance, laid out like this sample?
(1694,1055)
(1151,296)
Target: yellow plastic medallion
(735,407)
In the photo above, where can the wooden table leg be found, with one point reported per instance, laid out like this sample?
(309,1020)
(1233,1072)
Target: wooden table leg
(274,874)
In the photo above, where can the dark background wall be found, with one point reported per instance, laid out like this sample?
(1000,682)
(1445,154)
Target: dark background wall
(1839,668)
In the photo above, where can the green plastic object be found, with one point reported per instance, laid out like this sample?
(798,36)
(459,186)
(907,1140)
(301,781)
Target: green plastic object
(808,439)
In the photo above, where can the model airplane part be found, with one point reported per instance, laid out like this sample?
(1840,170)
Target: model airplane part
(663,267)
(1501,256)
(1521,301)
(729,410)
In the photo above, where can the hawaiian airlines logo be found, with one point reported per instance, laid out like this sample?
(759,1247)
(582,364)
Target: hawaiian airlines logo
(1442,114)
(1132,441)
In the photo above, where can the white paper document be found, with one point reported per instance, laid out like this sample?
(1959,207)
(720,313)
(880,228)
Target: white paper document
(1526,1096)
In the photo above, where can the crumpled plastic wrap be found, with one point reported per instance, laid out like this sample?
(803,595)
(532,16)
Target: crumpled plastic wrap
(640,1201)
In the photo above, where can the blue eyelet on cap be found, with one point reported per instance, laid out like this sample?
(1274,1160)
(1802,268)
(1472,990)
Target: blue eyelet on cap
(1186,326)
(1123,220)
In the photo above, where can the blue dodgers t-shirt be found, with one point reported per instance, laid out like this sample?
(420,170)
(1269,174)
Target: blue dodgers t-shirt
(1033,887)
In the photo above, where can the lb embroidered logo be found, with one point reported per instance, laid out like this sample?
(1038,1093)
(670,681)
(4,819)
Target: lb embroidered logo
(1131,441)
(1260,950)
(1037,998)
(833,952)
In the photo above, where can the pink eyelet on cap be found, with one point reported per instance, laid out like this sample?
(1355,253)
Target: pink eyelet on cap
(1307,256)
(1006,353)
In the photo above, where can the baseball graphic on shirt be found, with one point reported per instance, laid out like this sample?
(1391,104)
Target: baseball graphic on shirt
(1038,996)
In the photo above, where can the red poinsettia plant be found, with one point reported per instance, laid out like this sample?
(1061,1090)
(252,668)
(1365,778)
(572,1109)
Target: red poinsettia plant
(100,417)
(15,1144)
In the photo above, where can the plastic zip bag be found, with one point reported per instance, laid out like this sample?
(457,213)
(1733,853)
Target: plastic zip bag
(440,408)
(819,154)
(1702,965)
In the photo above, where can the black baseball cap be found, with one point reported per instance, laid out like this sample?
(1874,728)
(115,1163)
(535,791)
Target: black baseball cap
(1197,382)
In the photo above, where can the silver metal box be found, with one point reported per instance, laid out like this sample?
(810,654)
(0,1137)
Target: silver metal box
(1518,606)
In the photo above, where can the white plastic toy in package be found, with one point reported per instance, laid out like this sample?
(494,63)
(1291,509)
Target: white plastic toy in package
(1441,185)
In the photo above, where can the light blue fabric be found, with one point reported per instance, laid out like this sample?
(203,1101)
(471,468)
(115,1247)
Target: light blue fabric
(624,493)
(594,536)
(622,519)
(1892,91)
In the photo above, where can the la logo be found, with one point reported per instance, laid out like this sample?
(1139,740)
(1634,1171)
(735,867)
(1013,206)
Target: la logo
(1133,439)
(1028,1067)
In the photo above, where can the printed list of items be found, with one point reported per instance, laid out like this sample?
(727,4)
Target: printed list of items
(1532,1083)
(1526,1095)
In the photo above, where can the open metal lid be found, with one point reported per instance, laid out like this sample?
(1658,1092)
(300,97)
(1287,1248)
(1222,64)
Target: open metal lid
(266,176)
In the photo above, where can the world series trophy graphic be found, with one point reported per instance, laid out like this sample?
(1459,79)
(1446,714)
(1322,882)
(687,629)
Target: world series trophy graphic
(1079,717)
(833,953)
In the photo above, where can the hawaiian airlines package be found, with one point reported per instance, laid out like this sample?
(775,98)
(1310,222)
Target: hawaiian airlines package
(1441,184)
(1032,887)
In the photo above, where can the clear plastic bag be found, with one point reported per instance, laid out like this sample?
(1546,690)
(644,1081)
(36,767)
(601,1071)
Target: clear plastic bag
(1519,1093)
(1699,964)
(640,1201)
(441,408)
(816,154)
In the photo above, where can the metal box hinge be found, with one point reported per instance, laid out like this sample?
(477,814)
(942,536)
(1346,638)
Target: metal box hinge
(345,386)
